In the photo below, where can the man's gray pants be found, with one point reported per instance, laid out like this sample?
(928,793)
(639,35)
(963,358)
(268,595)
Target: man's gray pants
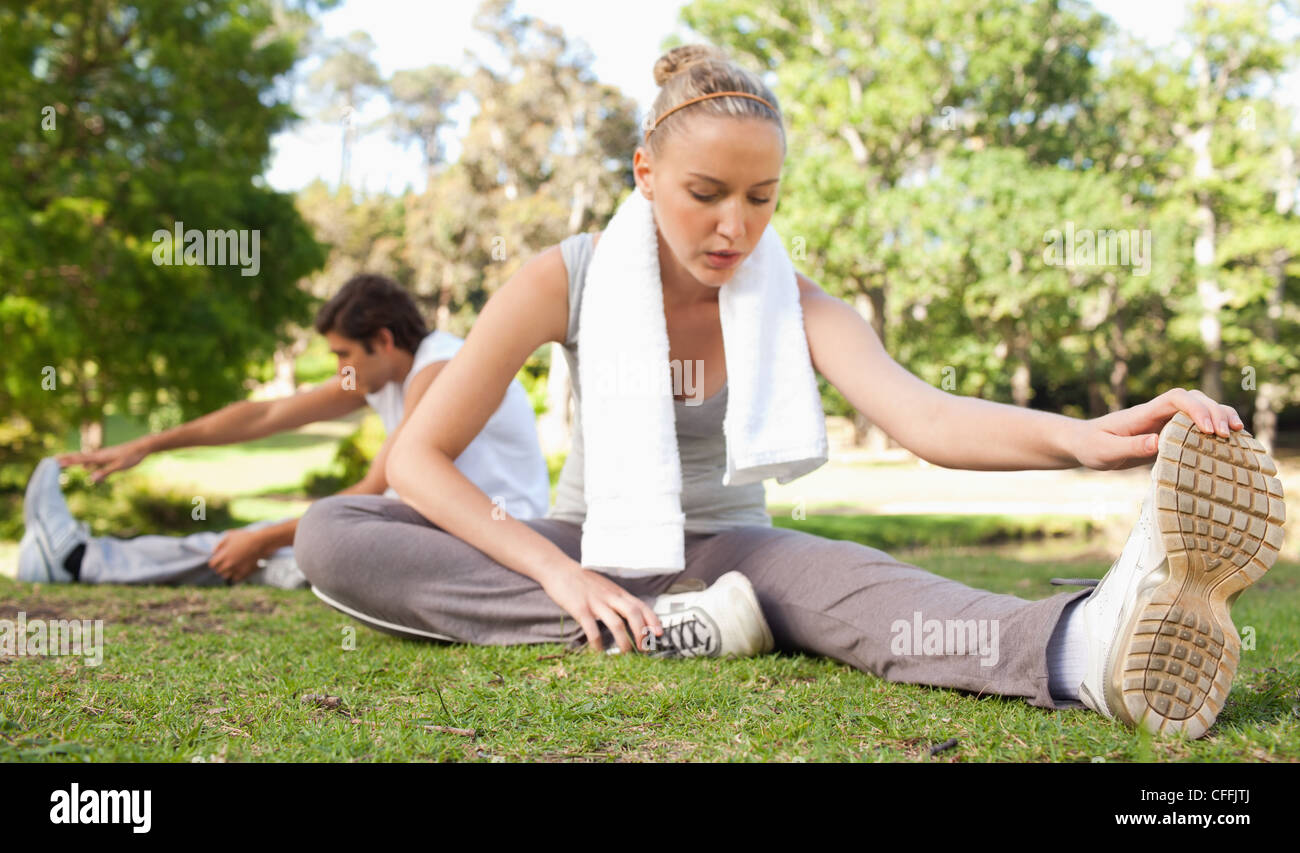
(179,560)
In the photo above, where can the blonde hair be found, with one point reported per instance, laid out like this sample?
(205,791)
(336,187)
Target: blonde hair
(695,71)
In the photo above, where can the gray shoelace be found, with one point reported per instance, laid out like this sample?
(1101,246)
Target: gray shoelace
(690,637)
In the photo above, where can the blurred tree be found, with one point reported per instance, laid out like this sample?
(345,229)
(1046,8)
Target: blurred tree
(346,80)
(1232,45)
(547,154)
(875,94)
(1198,138)
(420,100)
(119,120)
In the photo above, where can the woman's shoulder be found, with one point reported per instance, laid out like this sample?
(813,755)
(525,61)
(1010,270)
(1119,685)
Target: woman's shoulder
(809,289)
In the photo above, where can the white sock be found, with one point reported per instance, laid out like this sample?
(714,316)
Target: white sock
(1067,653)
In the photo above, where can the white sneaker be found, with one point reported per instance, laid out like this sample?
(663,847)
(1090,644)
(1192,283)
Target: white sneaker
(1162,649)
(277,571)
(51,534)
(722,621)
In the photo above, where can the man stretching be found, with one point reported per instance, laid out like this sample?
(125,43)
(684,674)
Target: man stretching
(387,359)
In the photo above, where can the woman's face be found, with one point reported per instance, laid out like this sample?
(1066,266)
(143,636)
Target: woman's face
(713,188)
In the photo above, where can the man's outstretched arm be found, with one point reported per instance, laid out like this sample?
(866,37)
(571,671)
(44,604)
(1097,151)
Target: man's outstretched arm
(245,420)
(236,555)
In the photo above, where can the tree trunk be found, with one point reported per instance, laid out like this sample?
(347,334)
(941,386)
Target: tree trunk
(1270,397)
(1022,390)
(1203,249)
(581,201)
(345,158)
(1096,404)
(92,435)
(92,430)
(1118,347)
(443,315)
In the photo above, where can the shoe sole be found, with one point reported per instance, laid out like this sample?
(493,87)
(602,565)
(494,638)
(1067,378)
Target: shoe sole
(1220,513)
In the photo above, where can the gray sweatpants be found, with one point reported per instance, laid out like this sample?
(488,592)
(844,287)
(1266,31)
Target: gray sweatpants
(381,562)
(181,560)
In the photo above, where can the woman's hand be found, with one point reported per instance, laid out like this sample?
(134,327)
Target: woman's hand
(588,596)
(1128,438)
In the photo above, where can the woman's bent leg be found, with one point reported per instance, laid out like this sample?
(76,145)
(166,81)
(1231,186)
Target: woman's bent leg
(381,562)
(865,608)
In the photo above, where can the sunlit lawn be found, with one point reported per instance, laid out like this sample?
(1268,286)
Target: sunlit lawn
(261,674)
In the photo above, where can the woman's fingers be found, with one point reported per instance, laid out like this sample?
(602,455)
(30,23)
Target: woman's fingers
(588,623)
(651,626)
(631,611)
(616,627)
(640,616)
(1210,416)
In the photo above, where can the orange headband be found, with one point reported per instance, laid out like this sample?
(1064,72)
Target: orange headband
(701,98)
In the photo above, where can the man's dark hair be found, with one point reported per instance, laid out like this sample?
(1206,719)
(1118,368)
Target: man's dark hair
(368,303)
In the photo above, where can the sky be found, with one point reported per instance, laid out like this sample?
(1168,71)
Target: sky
(625,40)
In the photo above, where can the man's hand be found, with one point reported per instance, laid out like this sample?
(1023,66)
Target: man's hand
(1128,438)
(107,460)
(237,553)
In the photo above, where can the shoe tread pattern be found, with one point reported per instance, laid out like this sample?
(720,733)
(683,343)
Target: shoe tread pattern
(1220,513)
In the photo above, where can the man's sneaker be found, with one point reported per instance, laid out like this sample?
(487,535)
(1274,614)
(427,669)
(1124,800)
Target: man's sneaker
(34,567)
(52,534)
(721,621)
(1162,649)
(279,571)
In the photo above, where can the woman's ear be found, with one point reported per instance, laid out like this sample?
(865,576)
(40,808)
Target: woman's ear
(641,171)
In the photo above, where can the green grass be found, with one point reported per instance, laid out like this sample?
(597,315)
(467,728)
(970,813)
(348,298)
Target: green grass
(230,674)
(225,674)
(897,532)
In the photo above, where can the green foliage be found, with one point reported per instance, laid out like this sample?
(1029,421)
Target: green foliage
(316,364)
(352,460)
(124,505)
(555,464)
(121,121)
(533,376)
(897,532)
(932,148)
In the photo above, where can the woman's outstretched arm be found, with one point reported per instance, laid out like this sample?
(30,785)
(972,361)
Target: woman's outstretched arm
(966,432)
(530,310)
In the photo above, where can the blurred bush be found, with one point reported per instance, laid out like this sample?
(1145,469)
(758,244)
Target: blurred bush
(125,505)
(351,462)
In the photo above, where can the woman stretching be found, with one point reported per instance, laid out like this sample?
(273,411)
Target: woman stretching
(1152,645)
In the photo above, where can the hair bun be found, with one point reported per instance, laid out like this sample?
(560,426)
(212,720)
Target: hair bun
(679,58)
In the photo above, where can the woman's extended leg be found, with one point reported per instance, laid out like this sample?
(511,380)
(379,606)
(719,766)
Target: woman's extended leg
(381,562)
(865,608)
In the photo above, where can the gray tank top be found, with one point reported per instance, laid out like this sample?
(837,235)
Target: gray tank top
(709,506)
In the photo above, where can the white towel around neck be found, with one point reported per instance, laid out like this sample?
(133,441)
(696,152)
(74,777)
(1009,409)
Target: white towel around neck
(774,423)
